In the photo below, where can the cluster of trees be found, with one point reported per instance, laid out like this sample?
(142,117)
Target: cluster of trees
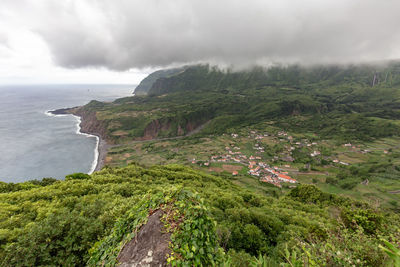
(58,223)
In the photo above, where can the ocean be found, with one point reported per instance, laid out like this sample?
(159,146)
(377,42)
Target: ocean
(35,144)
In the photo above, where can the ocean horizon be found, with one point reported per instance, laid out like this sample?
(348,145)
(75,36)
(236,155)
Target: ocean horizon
(34,143)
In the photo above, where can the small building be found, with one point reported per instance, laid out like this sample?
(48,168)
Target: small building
(286,178)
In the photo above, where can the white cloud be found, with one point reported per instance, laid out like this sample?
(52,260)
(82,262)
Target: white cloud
(25,57)
(132,34)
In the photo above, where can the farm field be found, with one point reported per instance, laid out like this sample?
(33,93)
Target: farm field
(363,170)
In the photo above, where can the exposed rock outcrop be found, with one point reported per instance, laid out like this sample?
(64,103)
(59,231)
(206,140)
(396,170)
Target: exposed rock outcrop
(155,128)
(149,247)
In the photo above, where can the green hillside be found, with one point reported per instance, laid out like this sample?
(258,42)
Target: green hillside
(335,102)
(84,219)
(146,84)
(189,150)
(188,117)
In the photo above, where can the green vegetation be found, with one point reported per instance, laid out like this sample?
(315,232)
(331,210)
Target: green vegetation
(372,175)
(337,106)
(392,251)
(146,84)
(333,102)
(58,224)
(194,243)
(336,130)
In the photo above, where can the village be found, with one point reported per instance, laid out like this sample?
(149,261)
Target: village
(268,172)
(256,167)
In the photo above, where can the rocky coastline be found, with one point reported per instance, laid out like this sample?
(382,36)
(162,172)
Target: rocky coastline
(89,125)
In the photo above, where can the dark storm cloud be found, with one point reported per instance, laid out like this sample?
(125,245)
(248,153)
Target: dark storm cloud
(136,34)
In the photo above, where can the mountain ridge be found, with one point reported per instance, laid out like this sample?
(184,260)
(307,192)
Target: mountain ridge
(146,84)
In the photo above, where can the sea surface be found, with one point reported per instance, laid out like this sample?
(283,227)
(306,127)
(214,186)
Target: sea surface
(35,144)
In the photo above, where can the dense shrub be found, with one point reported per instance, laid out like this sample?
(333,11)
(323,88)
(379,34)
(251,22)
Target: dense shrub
(367,219)
(77,176)
(59,223)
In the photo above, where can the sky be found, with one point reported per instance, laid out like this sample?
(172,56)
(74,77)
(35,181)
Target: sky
(121,41)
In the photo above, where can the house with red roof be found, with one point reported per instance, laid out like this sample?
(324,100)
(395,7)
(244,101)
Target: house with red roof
(286,178)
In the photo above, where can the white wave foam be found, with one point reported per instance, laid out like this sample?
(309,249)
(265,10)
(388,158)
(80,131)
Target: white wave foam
(96,150)
(78,131)
(48,113)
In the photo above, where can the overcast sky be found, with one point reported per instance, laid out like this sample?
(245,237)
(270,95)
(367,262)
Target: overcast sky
(120,41)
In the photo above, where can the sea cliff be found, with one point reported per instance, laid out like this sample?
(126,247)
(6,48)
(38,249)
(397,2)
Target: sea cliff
(89,125)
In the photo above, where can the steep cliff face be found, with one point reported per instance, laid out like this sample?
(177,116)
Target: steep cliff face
(154,128)
(157,128)
(168,128)
(192,125)
(90,124)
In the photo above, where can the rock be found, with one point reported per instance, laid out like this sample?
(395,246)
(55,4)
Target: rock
(149,247)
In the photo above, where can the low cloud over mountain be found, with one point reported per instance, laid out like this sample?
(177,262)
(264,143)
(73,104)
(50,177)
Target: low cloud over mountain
(125,34)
